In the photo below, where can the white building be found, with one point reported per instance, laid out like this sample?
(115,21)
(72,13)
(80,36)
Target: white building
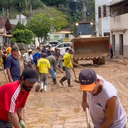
(102,17)
(15,21)
(119,27)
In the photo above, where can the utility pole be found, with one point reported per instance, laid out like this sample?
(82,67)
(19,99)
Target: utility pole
(85,5)
(4,31)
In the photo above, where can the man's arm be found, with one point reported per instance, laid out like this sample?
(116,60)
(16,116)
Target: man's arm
(49,71)
(20,113)
(9,74)
(110,112)
(13,119)
(59,69)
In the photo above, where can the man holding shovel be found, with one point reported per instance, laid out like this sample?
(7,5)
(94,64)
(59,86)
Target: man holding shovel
(103,101)
(67,65)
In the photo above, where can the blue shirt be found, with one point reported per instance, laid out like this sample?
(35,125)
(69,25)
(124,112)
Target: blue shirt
(35,55)
(14,65)
(40,56)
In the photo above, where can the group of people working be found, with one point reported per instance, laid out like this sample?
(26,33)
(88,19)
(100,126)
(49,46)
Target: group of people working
(99,95)
(48,62)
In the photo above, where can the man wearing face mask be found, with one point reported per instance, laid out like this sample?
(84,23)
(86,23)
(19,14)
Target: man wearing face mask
(103,101)
(13,98)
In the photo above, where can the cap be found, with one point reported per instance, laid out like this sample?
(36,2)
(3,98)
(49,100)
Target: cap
(44,55)
(50,45)
(87,79)
(14,49)
(30,50)
(31,75)
(71,50)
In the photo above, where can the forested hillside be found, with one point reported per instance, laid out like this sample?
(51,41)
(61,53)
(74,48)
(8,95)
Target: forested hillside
(73,9)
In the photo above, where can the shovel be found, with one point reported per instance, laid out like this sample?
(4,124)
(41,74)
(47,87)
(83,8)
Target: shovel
(88,118)
(76,80)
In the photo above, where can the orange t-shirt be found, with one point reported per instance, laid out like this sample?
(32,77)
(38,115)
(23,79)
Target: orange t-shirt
(9,50)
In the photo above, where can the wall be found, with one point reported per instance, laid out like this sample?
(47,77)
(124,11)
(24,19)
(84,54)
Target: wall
(118,24)
(115,1)
(102,24)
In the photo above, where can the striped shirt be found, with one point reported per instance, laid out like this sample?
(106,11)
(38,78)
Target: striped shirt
(11,98)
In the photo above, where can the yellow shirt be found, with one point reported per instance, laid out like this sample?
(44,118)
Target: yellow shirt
(9,50)
(43,65)
(68,59)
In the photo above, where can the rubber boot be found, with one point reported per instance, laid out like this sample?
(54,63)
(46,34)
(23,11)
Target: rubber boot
(62,80)
(54,81)
(69,83)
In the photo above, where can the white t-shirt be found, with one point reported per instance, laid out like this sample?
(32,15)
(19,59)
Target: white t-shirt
(62,52)
(97,106)
(27,58)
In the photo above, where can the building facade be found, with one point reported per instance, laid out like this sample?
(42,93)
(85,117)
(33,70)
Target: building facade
(119,27)
(102,17)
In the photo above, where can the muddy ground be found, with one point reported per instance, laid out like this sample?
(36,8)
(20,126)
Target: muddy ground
(60,107)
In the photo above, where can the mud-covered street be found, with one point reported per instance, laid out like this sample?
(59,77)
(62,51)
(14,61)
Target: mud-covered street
(60,107)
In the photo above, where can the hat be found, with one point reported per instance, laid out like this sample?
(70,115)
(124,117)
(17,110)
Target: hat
(31,75)
(30,50)
(14,49)
(50,45)
(71,50)
(44,55)
(87,79)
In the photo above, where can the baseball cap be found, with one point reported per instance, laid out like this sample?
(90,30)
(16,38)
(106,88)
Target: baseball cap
(71,50)
(44,55)
(87,79)
(14,49)
(31,75)
(30,50)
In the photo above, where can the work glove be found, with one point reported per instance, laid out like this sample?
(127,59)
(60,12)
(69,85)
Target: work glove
(22,124)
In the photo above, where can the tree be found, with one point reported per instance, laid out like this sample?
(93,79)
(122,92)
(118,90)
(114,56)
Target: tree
(40,25)
(23,36)
(57,19)
(19,26)
(7,4)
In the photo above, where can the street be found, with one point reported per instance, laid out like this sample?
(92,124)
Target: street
(60,107)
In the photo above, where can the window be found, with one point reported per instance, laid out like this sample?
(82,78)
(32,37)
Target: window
(113,43)
(99,12)
(121,48)
(67,45)
(60,46)
(104,11)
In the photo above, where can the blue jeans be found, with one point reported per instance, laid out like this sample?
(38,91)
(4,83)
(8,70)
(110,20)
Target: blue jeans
(16,78)
(35,61)
(53,74)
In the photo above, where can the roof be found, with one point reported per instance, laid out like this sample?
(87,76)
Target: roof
(118,2)
(7,23)
(6,35)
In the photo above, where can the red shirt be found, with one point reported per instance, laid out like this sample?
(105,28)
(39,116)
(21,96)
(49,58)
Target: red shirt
(11,98)
(110,46)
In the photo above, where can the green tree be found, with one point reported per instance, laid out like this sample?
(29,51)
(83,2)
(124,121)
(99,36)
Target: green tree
(23,36)
(57,19)
(7,4)
(19,26)
(40,25)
